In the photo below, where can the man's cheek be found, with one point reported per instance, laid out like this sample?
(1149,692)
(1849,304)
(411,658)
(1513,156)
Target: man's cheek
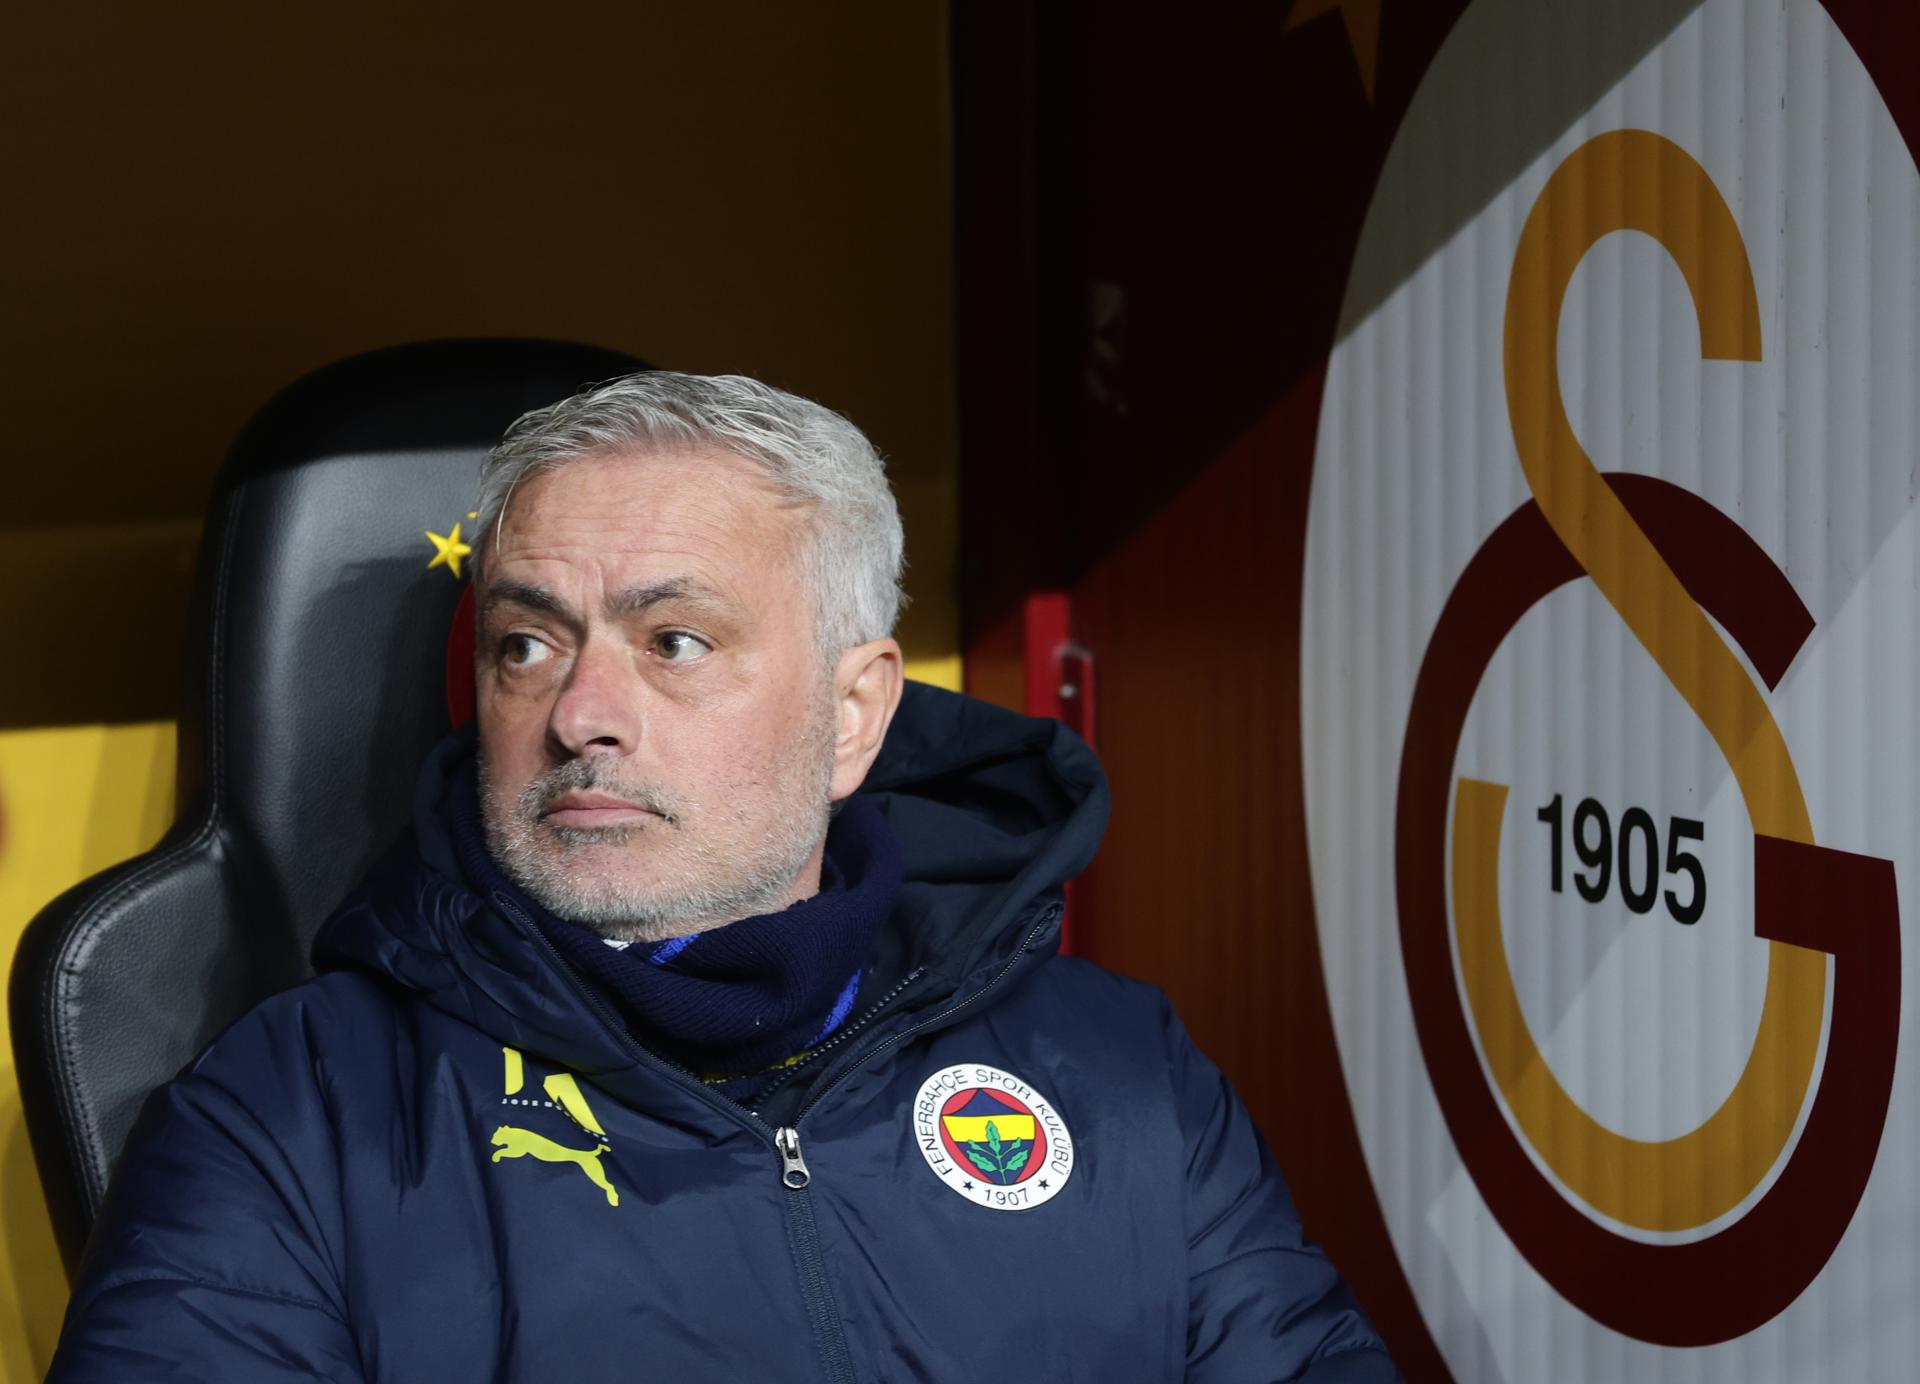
(506,765)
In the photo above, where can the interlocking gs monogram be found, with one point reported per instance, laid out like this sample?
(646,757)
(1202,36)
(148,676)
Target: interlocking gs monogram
(1665,560)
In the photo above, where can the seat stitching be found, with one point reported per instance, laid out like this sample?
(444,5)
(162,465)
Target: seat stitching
(94,1164)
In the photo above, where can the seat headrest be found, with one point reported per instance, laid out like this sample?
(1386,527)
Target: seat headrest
(314,688)
(320,629)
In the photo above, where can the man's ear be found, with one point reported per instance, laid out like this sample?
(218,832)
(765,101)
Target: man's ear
(867,683)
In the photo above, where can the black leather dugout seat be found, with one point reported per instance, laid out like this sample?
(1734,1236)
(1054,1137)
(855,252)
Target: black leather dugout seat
(314,687)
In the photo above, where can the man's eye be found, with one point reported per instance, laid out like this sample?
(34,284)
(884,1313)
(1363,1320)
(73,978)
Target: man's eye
(677,646)
(523,650)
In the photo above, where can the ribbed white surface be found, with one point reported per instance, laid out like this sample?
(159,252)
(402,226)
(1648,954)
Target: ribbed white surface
(1813,450)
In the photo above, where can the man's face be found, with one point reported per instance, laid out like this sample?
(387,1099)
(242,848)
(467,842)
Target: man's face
(656,721)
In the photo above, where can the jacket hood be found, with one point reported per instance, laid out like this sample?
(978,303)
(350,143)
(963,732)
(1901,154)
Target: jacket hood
(994,812)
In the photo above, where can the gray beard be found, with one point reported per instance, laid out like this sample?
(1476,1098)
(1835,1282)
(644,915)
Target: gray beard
(699,887)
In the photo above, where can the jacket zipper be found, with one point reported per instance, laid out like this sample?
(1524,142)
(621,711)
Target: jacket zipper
(835,1079)
(803,1241)
(803,1233)
(847,1031)
(794,1168)
(796,1177)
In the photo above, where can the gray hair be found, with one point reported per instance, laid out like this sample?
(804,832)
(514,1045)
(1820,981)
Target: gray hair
(854,548)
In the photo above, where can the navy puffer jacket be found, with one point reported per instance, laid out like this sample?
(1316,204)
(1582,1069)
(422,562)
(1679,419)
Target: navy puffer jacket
(442,1159)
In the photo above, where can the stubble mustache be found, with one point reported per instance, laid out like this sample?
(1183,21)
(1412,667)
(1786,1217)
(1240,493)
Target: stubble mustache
(542,795)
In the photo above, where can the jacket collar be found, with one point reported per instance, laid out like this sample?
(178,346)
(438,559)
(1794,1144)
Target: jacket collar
(994,813)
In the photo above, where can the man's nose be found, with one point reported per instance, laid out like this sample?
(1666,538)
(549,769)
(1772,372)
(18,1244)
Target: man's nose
(598,709)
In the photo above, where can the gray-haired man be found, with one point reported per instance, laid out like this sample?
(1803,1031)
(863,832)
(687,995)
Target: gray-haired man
(709,1025)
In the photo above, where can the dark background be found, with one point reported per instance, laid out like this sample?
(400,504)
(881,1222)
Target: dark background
(205,202)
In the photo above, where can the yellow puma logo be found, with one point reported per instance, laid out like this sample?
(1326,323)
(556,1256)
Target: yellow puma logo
(563,1090)
(516,1142)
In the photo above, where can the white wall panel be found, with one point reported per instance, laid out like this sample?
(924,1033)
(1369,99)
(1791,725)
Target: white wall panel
(1810,450)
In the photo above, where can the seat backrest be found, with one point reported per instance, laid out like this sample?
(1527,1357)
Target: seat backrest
(314,688)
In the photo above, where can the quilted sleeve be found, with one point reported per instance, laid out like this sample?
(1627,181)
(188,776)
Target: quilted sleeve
(1264,1304)
(210,1261)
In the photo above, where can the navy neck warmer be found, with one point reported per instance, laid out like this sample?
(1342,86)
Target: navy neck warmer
(742,1005)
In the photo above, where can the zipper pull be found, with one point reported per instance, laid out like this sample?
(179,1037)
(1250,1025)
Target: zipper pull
(793,1168)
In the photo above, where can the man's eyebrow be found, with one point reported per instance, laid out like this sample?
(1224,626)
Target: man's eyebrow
(522,594)
(637,600)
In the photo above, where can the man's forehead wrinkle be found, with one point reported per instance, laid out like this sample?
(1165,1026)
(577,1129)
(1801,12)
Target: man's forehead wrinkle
(697,585)
(613,538)
(509,592)
(636,600)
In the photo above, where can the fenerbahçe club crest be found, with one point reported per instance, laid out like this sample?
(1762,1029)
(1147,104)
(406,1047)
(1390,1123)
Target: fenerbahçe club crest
(992,1138)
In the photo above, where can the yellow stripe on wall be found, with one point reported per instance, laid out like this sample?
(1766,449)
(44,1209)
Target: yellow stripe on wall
(942,671)
(73,801)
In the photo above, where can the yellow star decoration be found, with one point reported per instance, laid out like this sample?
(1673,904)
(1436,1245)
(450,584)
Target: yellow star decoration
(1362,18)
(448,551)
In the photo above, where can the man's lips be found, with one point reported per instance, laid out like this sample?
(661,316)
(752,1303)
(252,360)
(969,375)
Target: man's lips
(594,810)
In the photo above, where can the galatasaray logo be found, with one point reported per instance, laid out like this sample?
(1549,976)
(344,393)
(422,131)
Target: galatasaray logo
(991,1137)
(1666,561)
(1608,908)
